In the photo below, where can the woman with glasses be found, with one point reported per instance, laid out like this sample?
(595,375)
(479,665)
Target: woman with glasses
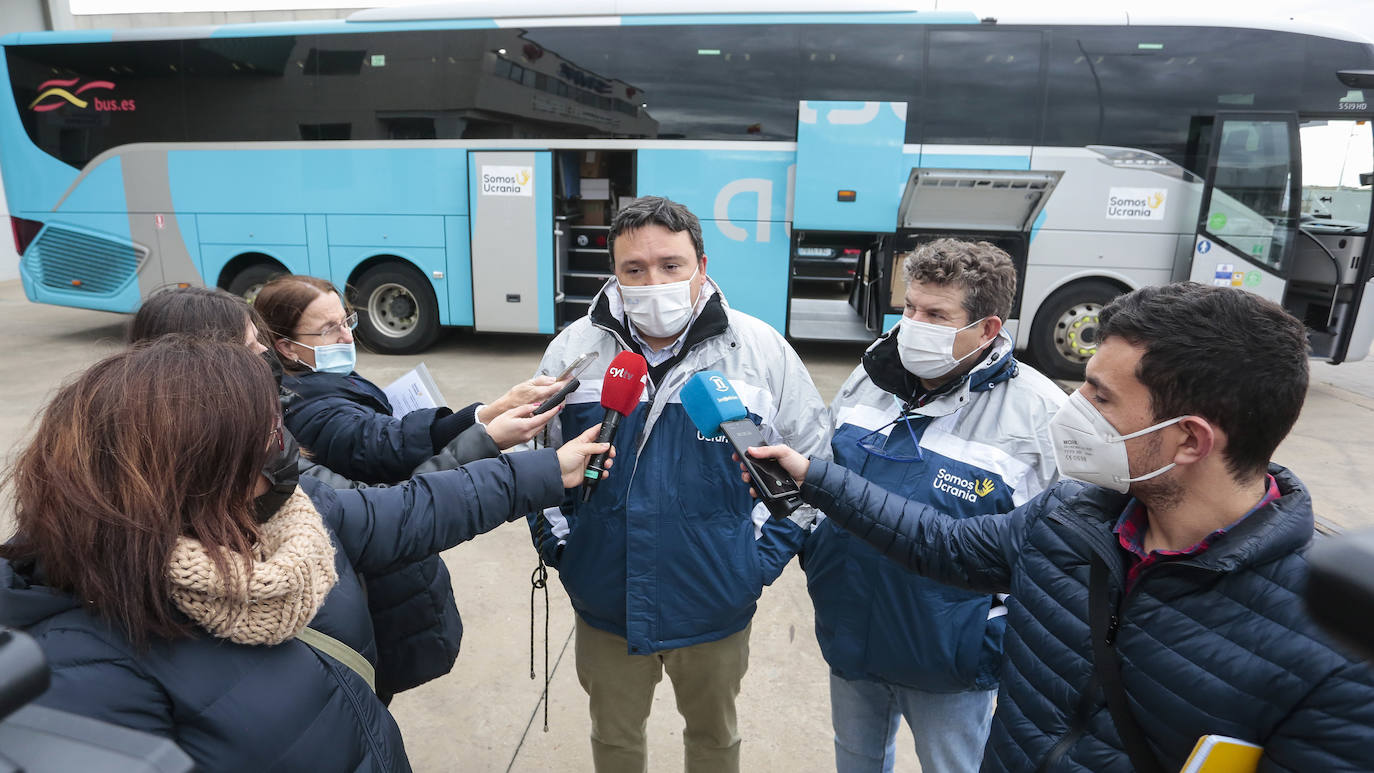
(414,611)
(176,590)
(345,419)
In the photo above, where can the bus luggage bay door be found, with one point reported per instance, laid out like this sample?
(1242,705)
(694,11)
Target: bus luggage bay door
(511,205)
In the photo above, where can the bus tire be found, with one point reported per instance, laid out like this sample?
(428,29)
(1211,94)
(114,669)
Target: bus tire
(1064,333)
(397,310)
(250,280)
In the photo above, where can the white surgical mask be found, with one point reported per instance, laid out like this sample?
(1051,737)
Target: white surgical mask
(660,311)
(927,350)
(1087,447)
(331,358)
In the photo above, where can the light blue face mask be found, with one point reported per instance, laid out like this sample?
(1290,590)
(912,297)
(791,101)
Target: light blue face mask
(331,358)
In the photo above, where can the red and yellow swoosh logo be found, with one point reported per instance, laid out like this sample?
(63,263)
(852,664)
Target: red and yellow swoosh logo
(54,94)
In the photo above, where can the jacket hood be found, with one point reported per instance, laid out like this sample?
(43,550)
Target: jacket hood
(884,366)
(25,601)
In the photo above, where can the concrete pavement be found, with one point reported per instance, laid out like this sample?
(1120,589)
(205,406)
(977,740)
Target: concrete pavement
(485,715)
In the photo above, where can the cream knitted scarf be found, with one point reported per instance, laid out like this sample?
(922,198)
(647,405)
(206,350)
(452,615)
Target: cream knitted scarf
(270,598)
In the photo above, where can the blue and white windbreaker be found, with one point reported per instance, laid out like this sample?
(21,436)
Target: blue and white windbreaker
(984,447)
(671,550)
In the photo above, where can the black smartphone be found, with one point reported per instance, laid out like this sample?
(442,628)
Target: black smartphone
(557,397)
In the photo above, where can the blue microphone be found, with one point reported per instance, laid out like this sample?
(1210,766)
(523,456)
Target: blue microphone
(716,408)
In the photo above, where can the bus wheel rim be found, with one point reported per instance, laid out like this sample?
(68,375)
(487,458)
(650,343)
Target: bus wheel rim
(393,310)
(1075,335)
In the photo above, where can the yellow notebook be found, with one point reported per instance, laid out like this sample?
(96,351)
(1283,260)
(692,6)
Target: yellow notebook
(1221,754)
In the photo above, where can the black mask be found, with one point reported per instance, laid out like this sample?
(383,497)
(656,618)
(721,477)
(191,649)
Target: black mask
(283,471)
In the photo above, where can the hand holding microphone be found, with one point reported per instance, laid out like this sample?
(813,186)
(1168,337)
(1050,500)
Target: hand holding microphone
(716,408)
(620,391)
(572,456)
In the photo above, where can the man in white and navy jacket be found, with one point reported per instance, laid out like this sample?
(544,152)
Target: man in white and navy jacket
(666,560)
(940,412)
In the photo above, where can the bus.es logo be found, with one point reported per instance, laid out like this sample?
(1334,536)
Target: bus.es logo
(56,93)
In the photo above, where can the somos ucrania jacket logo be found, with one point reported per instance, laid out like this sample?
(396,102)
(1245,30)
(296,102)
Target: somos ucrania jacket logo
(56,93)
(964,488)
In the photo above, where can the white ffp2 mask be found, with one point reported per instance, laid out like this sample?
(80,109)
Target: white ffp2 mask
(1088,448)
(659,311)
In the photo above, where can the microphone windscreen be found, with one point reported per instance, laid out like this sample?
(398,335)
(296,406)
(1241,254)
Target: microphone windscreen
(624,383)
(710,401)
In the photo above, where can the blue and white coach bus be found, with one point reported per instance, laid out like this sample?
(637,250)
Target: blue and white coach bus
(457,164)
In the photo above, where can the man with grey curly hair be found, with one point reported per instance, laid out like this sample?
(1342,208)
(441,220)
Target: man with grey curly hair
(937,411)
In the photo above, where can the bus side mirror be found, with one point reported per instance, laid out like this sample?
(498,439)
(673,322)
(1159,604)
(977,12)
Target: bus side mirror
(1356,79)
(1366,179)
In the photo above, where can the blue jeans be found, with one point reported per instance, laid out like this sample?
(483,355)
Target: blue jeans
(950,728)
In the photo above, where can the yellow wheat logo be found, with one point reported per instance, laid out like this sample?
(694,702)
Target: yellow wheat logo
(524,176)
(1155,200)
(984,487)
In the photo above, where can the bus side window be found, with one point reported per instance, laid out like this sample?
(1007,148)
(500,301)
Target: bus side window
(983,87)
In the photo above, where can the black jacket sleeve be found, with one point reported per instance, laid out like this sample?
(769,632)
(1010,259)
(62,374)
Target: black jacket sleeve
(975,553)
(380,528)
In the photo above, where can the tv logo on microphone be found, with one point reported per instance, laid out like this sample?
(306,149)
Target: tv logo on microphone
(721,384)
(618,373)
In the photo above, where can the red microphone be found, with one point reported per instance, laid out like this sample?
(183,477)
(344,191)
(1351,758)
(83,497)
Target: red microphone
(620,390)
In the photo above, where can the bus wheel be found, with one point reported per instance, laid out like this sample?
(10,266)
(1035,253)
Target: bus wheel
(397,311)
(1064,334)
(249,281)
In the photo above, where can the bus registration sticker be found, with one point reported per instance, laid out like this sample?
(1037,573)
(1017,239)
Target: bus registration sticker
(1226,275)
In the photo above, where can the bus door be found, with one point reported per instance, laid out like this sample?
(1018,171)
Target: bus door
(512,241)
(1252,234)
(846,189)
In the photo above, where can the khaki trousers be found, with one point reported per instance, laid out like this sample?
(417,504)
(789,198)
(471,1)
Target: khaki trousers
(620,687)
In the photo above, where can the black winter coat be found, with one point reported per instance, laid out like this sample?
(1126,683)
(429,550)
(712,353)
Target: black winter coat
(1219,643)
(234,707)
(346,423)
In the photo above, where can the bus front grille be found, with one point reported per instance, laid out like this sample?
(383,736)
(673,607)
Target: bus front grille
(76,261)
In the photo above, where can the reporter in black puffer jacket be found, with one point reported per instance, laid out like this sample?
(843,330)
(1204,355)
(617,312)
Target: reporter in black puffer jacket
(1198,546)
(166,580)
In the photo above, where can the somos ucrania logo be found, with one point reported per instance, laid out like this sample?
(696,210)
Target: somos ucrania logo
(56,93)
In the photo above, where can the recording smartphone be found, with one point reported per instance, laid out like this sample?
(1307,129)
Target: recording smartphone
(576,367)
(573,370)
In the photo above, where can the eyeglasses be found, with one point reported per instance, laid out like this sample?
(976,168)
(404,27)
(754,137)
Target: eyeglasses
(277,436)
(350,322)
(875,441)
